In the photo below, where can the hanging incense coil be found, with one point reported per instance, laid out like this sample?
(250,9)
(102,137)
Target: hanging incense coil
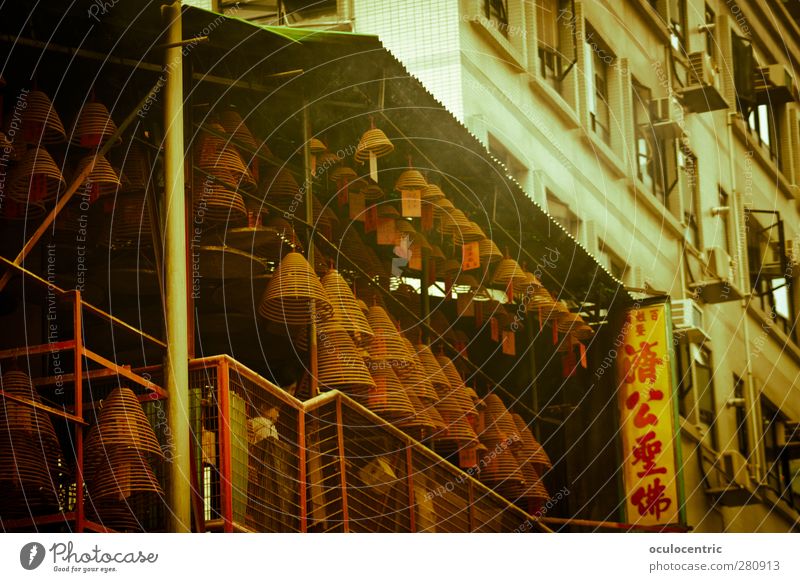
(93,127)
(389,399)
(280,183)
(325,160)
(32,464)
(470,233)
(340,363)
(432,193)
(35,178)
(375,142)
(101,180)
(504,474)
(432,368)
(386,344)
(583,331)
(41,124)
(7,148)
(534,488)
(423,419)
(221,159)
(345,309)
(404,227)
(22,211)
(372,192)
(489,252)
(569,321)
(388,210)
(509,271)
(130,223)
(458,391)
(453,221)
(294,294)
(218,205)
(118,474)
(316,146)
(135,172)
(498,414)
(343,174)
(233,124)
(414,378)
(452,267)
(458,432)
(465,283)
(410,179)
(121,423)
(541,302)
(531,449)
(441,208)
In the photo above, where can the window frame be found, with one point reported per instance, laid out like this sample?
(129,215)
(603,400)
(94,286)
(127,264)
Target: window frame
(598,72)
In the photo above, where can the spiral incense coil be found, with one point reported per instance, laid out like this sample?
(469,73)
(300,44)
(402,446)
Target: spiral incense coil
(501,469)
(219,157)
(441,208)
(471,233)
(497,413)
(326,159)
(457,395)
(465,283)
(102,180)
(432,193)
(437,422)
(218,205)
(130,225)
(93,127)
(372,192)
(22,211)
(36,178)
(135,172)
(7,146)
(316,146)
(232,123)
(458,430)
(422,418)
(433,370)
(531,449)
(280,183)
(386,344)
(374,141)
(404,227)
(541,300)
(389,399)
(340,364)
(294,293)
(342,174)
(41,124)
(509,271)
(345,308)
(118,474)
(569,321)
(582,331)
(414,378)
(410,179)
(534,488)
(455,221)
(489,253)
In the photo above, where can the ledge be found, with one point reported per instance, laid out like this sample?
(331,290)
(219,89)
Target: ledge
(653,19)
(556,101)
(604,152)
(513,56)
(654,205)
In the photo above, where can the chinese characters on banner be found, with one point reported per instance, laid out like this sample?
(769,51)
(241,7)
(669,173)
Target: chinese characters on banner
(644,380)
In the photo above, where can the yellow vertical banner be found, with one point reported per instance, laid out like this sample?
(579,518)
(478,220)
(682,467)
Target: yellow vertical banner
(651,474)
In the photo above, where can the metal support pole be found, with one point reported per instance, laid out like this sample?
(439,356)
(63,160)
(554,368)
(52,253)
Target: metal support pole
(80,513)
(534,373)
(309,200)
(176,366)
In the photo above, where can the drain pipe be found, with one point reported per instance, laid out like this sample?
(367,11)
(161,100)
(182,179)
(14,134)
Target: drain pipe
(176,365)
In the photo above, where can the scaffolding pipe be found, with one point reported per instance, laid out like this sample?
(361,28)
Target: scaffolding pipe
(309,218)
(176,366)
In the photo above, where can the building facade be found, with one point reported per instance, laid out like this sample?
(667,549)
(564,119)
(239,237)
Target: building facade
(663,135)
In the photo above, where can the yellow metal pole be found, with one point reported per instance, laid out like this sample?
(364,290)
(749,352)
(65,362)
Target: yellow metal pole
(176,366)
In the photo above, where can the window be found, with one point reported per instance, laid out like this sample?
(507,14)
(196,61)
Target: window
(677,26)
(696,399)
(563,215)
(309,13)
(761,123)
(742,430)
(554,39)
(496,11)
(648,148)
(687,165)
(777,464)
(722,233)
(770,277)
(598,59)
(710,19)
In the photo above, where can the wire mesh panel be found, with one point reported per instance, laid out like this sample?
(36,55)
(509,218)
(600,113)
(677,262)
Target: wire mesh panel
(324,476)
(441,495)
(376,474)
(248,449)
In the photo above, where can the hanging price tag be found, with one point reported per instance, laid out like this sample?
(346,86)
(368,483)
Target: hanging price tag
(431,272)
(342,192)
(386,231)
(568,364)
(582,349)
(415,258)
(494,327)
(509,343)
(467,458)
(465,305)
(427,218)
(555,332)
(371,219)
(470,256)
(411,203)
(357,206)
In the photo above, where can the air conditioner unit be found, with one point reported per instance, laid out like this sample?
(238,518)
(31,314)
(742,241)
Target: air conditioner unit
(774,84)
(686,315)
(667,117)
(719,264)
(701,69)
(734,465)
(793,251)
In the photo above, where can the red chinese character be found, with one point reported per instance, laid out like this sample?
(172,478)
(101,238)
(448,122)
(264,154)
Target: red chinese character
(640,329)
(640,316)
(643,416)
(654,314)
(646,452)
(651,500)
(642,363)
